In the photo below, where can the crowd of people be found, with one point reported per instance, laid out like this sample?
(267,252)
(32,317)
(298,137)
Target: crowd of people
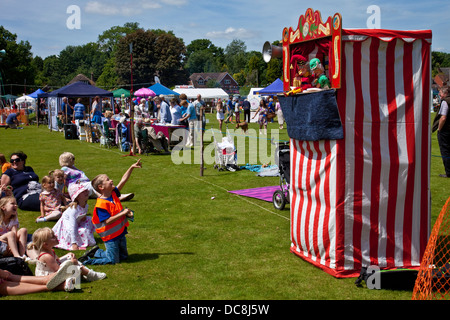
(60,197)
(179,111)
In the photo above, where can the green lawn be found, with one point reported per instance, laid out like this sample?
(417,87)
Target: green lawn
(191,239)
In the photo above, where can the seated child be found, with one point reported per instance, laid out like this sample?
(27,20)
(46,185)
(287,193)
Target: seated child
(60,181)
(47,262)
(110,219)
(51,201)
(75,230)
(5,165)
(13,241)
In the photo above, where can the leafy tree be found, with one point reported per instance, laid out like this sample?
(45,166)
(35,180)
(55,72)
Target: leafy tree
(256,68)
(203,56)
(439,60)
(108,79)
(16,66)
(108,39)
(201,61)
(274,70)
(50,74)
(170,52)
(86,59)
(235,56)
(240,77)
(154,53)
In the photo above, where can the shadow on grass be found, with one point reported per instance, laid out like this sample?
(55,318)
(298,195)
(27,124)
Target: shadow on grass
(137,257)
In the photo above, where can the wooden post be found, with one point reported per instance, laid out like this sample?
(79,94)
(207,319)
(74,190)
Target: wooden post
(201,141)
(133,147)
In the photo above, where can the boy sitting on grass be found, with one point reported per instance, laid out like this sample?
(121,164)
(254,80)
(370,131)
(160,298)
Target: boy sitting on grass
(110,220)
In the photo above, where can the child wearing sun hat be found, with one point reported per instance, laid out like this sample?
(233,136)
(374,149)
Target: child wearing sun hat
(74,229)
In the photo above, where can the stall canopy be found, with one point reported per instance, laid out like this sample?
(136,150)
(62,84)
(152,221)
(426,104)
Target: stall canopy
(9,97)
(144,93)
(272,89)
(74,90)
(118,93)
(35,94)
(78,89)
(208,93)
(160,89)
(24,98)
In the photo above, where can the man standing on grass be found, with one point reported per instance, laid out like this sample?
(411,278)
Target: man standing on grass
(443,133)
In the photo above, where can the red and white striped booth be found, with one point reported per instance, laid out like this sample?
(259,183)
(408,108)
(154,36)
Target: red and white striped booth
(364,199)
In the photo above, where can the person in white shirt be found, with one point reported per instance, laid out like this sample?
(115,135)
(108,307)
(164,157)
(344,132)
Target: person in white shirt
(443,131)
(165,116)
(175,111)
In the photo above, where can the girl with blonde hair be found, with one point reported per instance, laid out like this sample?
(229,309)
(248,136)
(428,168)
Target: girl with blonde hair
(52,201)
(13,240)
(47,262)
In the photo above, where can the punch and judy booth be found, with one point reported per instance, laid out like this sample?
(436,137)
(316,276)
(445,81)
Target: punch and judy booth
(360,150)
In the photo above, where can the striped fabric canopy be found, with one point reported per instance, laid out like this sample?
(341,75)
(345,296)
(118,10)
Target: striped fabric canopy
(364,200)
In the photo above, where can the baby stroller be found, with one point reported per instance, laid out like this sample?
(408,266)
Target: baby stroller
(225,153)
(122,137)
(108,138)
(281,197)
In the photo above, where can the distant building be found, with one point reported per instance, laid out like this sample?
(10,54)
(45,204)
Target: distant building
(442,78)
(223,80)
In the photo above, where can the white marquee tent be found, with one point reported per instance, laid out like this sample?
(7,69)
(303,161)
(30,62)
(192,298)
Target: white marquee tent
(207,93)
(26,100)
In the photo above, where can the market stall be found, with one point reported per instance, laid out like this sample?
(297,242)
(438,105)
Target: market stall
(75,90)
(360,148)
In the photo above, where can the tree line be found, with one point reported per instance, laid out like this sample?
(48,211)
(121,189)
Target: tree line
(155,52)
(152,52)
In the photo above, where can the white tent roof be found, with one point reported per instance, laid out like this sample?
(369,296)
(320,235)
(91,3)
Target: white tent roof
(25,99)
(208,93)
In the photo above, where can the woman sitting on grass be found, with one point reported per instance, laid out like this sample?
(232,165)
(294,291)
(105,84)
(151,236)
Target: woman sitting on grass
(24,181)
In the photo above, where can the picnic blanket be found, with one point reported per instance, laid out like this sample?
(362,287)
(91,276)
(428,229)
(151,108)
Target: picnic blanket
(261,193)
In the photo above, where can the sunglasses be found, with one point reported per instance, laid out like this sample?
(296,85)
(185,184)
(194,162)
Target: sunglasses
(15,160)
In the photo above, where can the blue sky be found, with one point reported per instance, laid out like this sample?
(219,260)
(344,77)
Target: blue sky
(44,23)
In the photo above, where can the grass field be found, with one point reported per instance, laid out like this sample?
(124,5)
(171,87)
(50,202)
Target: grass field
(191,239)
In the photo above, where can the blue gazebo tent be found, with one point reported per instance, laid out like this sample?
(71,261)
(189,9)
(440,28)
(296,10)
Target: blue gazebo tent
(272,89)
(160,89)
(75,90)
(78,89)
(35,94)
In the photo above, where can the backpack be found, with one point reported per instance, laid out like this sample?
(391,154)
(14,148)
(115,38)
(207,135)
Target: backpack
(16,266)
(395,279)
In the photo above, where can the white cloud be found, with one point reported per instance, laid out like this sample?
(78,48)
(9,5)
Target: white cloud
(149,5)
(231,33)
(100,8)
(128,8)
(175,2)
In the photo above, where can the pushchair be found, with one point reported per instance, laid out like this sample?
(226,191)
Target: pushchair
(122,137)
(108,138)
(281,197)
(225,153)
